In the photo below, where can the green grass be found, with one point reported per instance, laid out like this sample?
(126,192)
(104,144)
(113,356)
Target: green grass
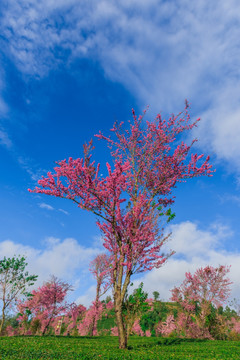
(106,347)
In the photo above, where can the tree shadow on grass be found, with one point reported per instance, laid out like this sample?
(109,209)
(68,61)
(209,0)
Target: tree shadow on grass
(174,341)
(166,342)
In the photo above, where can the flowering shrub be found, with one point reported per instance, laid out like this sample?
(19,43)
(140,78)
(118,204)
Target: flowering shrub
(93,313)
(167,327)
(43,307)
(114,331)
(136,329)
(196,295)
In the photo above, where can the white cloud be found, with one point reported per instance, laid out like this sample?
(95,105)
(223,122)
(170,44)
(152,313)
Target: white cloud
(4,139)
(45,206)
(89,294)
(66,259)
(194,248)
(49,207)
(98,239)
(3,105)
(27,164)
(69,260)
(64,211)
(219,130)
(229,197)
(189,241)
(161,51)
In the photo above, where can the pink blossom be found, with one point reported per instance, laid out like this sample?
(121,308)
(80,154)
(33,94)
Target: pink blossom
(110,305)
(236,325)
(167,327)
(136,329)
(148,333)
(46,304)
(114,331)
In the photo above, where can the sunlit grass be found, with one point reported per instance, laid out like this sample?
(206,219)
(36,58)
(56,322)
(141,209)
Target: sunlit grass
(142,348)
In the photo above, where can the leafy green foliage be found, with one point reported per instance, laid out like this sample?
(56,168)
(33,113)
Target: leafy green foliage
(136,302)
(170,215)
(150,319)
(11,321)
(14,281)
(12,269)
(134,306)
(228,313)
(156,295)
(108,299)
(107,322)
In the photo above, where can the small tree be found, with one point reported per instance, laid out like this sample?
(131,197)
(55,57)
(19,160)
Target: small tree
(148,162)
(156,295)
(134,306)
(75,313)
(108,299)
(150,320)
(14,281)
(99,267)
(46,303)
(199,292)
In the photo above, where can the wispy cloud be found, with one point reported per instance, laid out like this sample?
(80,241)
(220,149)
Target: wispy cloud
(64,211)
(4,140)
(28,165)
(46,206)
(50,207)
(3,105)
(161,51)
(4,136)
(229,197)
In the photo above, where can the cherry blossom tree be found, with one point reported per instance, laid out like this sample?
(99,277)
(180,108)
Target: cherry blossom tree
(99,267)
(167,327)
(235,323)
(131,200)
(92,315)
(206,287)
(75,313)
(136,328)
(45,304)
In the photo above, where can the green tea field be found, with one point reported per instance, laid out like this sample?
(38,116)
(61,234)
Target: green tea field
(142,348)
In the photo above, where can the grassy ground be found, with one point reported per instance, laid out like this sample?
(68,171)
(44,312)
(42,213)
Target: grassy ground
(142,348)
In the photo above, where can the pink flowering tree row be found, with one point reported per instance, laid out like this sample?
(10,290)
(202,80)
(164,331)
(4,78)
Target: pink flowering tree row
(195,311)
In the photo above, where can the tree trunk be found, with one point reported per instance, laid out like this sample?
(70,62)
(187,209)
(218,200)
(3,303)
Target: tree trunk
(129,328)
(47,326)
(122,334)
(2,320)
(130,323)
(93,325)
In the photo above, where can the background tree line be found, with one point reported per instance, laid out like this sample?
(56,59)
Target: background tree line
(195,310)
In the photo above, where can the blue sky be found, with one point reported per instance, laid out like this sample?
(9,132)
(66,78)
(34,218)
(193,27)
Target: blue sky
(69,69)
